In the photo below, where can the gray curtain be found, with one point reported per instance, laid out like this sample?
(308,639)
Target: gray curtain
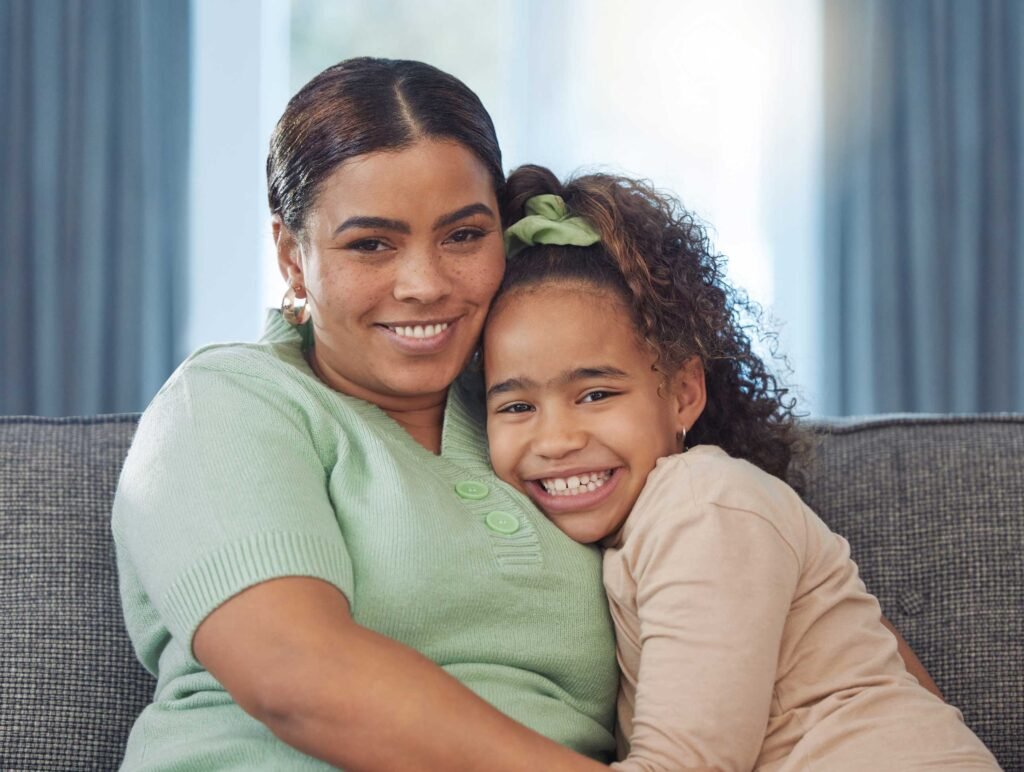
(924,209)
(94,127)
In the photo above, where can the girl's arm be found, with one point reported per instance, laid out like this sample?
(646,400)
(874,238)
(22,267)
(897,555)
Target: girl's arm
(290,654)
(713,591)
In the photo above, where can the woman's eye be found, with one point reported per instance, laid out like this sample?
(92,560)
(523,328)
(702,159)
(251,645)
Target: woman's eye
(516,407)
(368,245)
(463,235)
(597,395)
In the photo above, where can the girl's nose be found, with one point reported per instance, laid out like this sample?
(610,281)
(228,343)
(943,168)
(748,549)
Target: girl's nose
(422,277)
(558,437)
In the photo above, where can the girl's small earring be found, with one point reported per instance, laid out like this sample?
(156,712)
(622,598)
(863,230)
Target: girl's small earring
(294,312)
(681,441)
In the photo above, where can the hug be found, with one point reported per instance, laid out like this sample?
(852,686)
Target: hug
(501,487)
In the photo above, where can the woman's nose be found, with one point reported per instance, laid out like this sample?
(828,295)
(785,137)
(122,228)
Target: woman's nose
(422,277)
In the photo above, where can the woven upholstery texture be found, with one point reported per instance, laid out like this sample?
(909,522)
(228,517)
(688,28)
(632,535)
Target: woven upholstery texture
(933,508)
(70,686)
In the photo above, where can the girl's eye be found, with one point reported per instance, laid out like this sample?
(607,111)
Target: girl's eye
(464,235)
(515,408)
(597,395)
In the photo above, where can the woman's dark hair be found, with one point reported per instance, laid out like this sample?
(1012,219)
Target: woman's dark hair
(658,258)
(367,105)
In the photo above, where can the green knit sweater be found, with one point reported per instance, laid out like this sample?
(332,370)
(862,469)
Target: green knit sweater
(246,467)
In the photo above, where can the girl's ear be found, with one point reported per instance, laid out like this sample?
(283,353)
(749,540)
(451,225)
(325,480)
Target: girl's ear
(689,392)
(289,255)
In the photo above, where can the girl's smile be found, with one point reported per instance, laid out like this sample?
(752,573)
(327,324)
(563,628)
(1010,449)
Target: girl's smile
(577,415)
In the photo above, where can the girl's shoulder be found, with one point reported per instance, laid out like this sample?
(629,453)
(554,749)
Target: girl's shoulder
(707,479)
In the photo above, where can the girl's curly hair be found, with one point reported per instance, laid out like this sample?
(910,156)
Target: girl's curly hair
(657,256)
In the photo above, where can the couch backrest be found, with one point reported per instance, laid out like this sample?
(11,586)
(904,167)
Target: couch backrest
(933,509)
(70,686)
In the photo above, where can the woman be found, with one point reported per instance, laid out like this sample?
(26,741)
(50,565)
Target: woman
(308,526)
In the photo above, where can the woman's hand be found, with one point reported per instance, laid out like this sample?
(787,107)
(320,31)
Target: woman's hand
(290,654)
(911,662)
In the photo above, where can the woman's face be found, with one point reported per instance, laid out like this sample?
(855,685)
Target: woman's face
(401,257)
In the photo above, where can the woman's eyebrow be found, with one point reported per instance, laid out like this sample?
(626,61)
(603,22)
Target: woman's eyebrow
(375,223)
(459,214)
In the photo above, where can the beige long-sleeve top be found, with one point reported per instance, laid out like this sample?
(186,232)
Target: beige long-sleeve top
(746,639)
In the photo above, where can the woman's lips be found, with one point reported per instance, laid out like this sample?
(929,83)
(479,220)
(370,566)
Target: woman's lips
(408,344)
(557,505)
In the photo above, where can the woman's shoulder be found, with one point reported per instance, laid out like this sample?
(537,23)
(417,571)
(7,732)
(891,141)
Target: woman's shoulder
(265,360)
(276,358)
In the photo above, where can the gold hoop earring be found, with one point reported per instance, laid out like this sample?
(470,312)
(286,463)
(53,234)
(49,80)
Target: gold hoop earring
(294,313)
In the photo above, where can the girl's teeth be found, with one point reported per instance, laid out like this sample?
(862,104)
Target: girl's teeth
(576,484)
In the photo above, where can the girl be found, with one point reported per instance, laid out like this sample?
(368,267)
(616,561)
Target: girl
(624,399)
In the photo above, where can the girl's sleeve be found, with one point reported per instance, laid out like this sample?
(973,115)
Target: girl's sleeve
(714,586)
(223,488)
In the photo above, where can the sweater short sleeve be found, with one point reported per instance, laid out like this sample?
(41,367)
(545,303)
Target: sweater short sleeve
(224,487)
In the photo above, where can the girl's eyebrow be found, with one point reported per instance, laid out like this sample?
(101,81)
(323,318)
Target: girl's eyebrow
(563,379)
(510,384)
(584,373)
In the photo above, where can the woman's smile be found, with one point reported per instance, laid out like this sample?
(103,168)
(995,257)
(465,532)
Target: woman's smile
(421,338)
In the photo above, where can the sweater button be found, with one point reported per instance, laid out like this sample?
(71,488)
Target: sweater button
(501,522)
(471,489)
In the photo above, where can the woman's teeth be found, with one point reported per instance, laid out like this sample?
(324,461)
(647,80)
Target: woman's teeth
(421,330)
(575,485)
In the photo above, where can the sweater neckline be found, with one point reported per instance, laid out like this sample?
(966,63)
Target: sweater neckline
(463,434)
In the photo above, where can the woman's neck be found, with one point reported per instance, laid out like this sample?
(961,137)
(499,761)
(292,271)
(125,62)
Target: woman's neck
(422,416)
(423,424)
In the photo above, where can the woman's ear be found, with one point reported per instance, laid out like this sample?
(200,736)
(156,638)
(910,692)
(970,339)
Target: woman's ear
(289,254)
(689,392)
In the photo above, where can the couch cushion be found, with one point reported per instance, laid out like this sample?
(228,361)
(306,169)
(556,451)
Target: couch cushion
(933,508)
(70,686)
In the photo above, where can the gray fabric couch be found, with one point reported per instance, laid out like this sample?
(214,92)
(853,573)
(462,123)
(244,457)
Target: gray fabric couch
(933,508)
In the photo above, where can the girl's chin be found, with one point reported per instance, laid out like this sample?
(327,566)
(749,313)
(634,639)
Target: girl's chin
(595,531)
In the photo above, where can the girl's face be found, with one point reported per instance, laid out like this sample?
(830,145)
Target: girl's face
(576,415)
(401,258)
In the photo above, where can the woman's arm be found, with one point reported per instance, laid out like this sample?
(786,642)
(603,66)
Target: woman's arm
(289,652)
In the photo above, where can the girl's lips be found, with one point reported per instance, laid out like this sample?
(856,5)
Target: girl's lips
(420,346)
(557,505)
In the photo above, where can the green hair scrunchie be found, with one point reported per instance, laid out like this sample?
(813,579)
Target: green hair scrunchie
(548,221)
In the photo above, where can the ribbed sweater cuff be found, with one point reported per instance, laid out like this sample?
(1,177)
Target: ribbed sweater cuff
(223,574)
